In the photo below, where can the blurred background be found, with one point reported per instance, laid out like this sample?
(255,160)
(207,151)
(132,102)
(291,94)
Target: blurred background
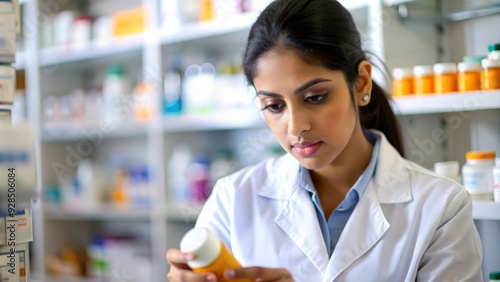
(138,107)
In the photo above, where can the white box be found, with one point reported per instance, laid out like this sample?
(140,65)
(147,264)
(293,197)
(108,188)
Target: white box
(14,263)
(20,227)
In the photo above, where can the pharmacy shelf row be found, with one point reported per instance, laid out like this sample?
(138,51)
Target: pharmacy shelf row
(243,119)
(188,212)
(174,211)
(135,44)
(217,120)
(447,103)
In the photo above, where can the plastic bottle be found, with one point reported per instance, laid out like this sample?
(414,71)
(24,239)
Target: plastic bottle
(494,51)
(469,76)
(477,174)
(199,179)
(178,165)
(172,101)
(494,276)
(496,181)
(449,169)
(445,78)
(403,82)
(115,89)
(423,82)
(211,254)
(490,77)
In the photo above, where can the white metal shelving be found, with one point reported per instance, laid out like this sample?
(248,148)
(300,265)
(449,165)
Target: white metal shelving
(217,120)
(179,212)
(486,210)
(200,30)
(97,214)
(445,103)
(71,131)
(55,56)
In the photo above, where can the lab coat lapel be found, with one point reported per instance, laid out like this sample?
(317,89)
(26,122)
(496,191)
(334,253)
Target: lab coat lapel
(364,229)
(299,221)
(296,215)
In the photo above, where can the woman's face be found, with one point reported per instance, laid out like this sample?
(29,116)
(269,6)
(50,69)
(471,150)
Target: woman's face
(308,107)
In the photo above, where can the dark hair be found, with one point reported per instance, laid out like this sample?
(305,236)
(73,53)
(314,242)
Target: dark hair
(323,33)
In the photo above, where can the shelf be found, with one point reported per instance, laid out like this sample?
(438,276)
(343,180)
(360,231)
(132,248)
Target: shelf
(98,214)
(55,56)
(457,16)
(184,212)
(200,30)
(488,210)
(74,279)
(222,120)
(453,102)
(72,131)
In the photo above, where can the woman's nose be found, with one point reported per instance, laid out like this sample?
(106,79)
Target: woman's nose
(298,122)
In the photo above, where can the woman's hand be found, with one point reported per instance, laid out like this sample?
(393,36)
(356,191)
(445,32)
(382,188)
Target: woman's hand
(181,272)
(260,274)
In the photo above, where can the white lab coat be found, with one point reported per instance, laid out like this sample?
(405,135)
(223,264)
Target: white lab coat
(409,224)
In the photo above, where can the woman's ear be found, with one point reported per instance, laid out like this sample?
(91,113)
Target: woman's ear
(364,83)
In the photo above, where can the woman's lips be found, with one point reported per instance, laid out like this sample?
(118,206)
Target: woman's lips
(306,149)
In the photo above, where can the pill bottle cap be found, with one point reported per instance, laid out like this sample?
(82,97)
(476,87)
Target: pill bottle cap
(447,168)
(490,63)
(476,59)
(422,70)
(480,155)
(495,275)
(203,244)
(400,73)
(445,68)
(494,47)
(469,66)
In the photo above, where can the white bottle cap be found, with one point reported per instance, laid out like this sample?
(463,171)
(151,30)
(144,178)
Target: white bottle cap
(469,66)
(400,73)
(445,68)
(447,168)
(420,71)
(489,63)
(203,244)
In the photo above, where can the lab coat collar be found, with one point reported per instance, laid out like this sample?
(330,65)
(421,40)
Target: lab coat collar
(391,180)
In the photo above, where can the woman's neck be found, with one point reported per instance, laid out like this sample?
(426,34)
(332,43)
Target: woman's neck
(343,173)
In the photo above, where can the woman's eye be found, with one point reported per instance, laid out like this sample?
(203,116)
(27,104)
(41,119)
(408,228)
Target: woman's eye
(273,108)
(317,99)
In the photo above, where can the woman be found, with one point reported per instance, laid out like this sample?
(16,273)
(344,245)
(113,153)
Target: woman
(343,204)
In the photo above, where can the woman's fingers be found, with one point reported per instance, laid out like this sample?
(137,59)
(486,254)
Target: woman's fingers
(184,275)
(178,259)
(260,274)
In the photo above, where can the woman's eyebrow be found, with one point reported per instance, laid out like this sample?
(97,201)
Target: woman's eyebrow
(309,84)
(297,91)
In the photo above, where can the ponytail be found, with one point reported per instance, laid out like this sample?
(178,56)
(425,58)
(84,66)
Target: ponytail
(378,114)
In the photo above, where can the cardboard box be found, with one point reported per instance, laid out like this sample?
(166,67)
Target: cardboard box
(14,263)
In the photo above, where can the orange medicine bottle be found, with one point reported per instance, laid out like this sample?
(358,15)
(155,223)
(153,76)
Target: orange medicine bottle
(402,82)
(490,77)
(445,78)
(423,80)
(469,76)
(211,254)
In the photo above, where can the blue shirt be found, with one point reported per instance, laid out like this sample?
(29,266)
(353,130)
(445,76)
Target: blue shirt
(332,228)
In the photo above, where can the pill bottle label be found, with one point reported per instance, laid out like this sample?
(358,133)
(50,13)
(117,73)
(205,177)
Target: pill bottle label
(478,182)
